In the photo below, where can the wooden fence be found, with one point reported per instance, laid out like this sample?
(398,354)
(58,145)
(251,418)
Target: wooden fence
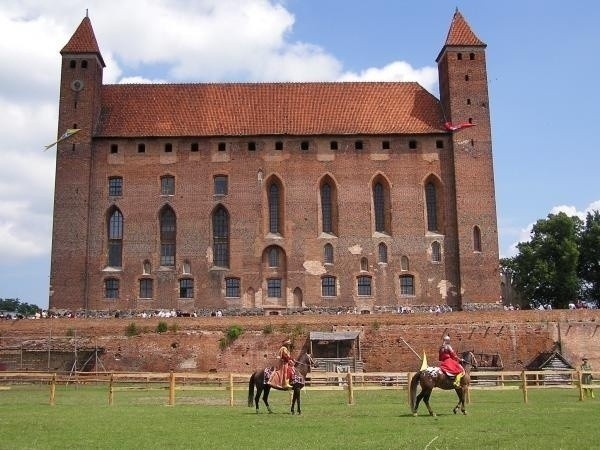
(350,382)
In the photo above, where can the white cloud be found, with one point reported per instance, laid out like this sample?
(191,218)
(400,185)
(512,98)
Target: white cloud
(397,71)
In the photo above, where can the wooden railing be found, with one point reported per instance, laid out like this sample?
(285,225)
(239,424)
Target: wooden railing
(350,382)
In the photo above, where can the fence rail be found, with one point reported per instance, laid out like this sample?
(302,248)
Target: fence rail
(350,382)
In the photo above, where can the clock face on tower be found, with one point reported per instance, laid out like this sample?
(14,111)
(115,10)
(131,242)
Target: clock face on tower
(76,85)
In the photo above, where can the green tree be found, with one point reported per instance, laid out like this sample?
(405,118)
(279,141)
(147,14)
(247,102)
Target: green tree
(589,258)
(545,269)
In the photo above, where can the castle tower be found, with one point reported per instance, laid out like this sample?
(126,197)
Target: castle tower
(79,108)
(464,98)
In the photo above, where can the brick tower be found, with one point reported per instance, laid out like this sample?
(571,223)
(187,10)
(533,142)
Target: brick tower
(79,108)
(464,98)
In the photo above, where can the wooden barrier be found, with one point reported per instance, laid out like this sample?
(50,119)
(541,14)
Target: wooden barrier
(350,382)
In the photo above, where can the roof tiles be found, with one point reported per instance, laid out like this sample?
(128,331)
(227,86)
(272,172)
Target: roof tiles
(460,32)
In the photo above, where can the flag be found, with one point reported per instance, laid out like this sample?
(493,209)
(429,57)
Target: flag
(424,363)
(452,127)
(66,134)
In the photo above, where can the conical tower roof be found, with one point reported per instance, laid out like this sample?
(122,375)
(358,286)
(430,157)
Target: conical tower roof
(460,33)
(83,41)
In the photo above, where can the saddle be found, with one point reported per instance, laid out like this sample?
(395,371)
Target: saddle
(436,371)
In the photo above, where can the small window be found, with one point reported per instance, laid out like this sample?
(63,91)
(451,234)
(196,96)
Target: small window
(466,77)
(385,145)
(72,64)
(472,56)
(328,286)
(459,56)
(476,239)
(468,101)
(278,145)
(84,64)
(412,144)
(168,147)
(111,288)
(147,268)
(407,285)
(146,288)
(358,145)
(167,185)
(186,288)
(364,285)
(404,264)
(220,184)
(383,253)
(439,144)
(114,148)
(436,252)
(141,148)
(194,147)
(232,287)
(328,254)
(115,186)
(252,146)
(364,264)
(304,145)
(274,287)
(222,147)
(333,145)
(470,120)
(185,268)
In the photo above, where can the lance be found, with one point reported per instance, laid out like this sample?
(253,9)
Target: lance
(412,349)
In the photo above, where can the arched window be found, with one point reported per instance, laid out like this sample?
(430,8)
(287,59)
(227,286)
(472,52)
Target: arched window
(115,238)
(328,286)
(326,208)
(273,256)
(431,206)
(381,205)
(476,239)
(274,208)
(328,254)
(185,268)
(404,265)
(168,236)
(436,252)
(364,264)
(407,285)
(383,253)
(220,223)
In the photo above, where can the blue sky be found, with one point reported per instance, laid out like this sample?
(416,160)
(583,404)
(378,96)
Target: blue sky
(542,69)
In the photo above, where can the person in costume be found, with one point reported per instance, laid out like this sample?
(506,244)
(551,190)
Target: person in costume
(586,376)
(449,361)
(285,364)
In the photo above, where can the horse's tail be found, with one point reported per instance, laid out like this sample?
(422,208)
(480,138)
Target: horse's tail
(251,390)
(414,382)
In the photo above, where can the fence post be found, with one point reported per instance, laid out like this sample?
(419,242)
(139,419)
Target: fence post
(350,389)
(52,389)
(172,389)
(524,381)
(231,389)
(110,390)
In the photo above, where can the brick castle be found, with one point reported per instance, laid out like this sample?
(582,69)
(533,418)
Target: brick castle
(274,197)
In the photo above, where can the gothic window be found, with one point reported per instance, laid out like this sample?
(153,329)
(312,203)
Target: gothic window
(476,239)
(326,208)
(404,264)
(364,264)
(328,254)
(407,285)
(273,256)
(431,206)
(383,253)
(381,205)
(168,235)
(328,288)
(436,252)
(274,208)
(115,238)
(220,222)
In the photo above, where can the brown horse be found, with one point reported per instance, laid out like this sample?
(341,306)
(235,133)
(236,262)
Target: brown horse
(433,377)
(260,379)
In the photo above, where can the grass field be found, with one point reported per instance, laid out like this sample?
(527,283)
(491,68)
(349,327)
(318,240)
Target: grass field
(140,419)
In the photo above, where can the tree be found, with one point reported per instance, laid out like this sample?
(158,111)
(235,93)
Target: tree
(545,269)
(589,258)
(16,305)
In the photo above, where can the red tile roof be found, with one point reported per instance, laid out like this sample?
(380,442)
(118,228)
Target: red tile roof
(460,32)
(238,109)
(83,41)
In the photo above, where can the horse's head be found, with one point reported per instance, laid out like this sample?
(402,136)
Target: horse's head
(469,361)
(306,362)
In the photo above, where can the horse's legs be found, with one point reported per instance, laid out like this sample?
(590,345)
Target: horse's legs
(461,401)
(266,397)
(426,396)
(296,400)
(259,390)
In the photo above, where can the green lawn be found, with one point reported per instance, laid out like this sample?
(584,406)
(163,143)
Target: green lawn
(140,419)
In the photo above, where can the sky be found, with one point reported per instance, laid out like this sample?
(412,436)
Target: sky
(542,63)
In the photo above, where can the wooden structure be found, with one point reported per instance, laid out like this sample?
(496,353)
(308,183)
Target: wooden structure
(336,351)
(552,362)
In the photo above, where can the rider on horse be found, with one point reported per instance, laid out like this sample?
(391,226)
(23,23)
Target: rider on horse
(286,364)
(449,362)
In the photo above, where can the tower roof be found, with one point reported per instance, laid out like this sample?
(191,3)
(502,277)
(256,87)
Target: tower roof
(83,41)
(460,33)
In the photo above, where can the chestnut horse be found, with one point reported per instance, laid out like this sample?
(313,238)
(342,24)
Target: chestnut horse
(260,379)
(433,377)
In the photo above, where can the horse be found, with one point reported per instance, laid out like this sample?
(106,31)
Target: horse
(433,377)
(260,379)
